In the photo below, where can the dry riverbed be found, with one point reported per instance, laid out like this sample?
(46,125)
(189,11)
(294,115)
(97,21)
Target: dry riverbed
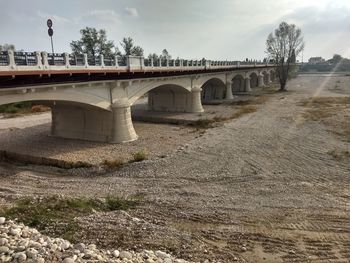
(271,185)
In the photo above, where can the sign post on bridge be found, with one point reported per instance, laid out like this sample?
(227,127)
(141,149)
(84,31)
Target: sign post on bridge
(50,32)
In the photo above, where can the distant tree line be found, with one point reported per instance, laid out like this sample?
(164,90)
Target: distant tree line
(337,63)
(94,43)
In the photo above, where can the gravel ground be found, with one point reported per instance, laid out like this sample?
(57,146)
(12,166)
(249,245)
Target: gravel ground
(23,134)
(261,188)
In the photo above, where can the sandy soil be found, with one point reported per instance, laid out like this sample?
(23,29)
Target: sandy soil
(261,188)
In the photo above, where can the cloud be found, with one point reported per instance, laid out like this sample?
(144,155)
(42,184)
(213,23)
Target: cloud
(102,16)
(132,11)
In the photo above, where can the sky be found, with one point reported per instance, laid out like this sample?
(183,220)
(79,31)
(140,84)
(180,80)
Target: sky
(192,29)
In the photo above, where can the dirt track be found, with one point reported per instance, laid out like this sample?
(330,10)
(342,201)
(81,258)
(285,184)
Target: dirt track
(262,188)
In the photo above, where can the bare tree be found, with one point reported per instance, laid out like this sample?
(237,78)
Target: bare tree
(283,47)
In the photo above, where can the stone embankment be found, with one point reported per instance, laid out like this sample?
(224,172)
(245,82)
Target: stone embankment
(19,243)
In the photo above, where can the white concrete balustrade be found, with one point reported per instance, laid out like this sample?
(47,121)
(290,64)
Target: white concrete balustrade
(18,61)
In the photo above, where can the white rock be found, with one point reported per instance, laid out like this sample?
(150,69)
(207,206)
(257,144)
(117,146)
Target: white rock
(65,245)
(4,249)
(20,256)
(125,254)
(162,254)
(3,241)
(15,231)
(168,260)
(2,220)
(31,253)
(116,253)
(80,247)
(92,247)
(68,260)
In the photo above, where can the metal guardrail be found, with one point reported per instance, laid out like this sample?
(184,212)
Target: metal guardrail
(4,58)
(42,60)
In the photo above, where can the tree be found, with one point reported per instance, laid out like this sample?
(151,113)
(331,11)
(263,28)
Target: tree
(129,48)
(336,59)
(93,42)
(7,47)
(165,55)
(154,56)
(283,46)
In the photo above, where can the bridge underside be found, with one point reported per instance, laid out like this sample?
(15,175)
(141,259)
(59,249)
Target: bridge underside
(170,98)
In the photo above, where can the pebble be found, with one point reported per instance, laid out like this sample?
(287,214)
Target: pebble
(125,254)
(116,253)
(19,243)
(4,250)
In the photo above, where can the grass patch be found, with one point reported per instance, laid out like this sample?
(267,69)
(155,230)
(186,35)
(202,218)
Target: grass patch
(331,111)
(74,165)
(116,163)
(339,155)
(138,157)
(324,107)
(244,108)
(56,215)
(202,124)
(21,108)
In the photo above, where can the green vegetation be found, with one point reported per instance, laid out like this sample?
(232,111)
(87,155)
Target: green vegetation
(117,163)
(340,155)
(113,163)
(56,215)
(94,43)
(138,156)
(16,107)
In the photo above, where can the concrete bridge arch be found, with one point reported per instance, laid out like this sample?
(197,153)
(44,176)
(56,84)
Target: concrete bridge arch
(213,89)
(238,83)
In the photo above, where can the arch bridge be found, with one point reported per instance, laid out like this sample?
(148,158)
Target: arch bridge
(91,97)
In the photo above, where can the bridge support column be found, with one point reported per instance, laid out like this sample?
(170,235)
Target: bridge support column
(247,84)
(196,100)
(269,81)
(261,80)
(229,95)
(123,128)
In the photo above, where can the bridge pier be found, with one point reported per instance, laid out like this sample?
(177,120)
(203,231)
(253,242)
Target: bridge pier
(93,124)
(229,95)
(261,80)
(122,126)
(196,100)
(247,84)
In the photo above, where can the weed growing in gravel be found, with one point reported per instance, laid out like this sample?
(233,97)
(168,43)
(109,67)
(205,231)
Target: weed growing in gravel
(339,155)
(138,156)
(113,163)
(323,109)
(56,215)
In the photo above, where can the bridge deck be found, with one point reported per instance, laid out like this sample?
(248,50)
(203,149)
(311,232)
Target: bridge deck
(32,77)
